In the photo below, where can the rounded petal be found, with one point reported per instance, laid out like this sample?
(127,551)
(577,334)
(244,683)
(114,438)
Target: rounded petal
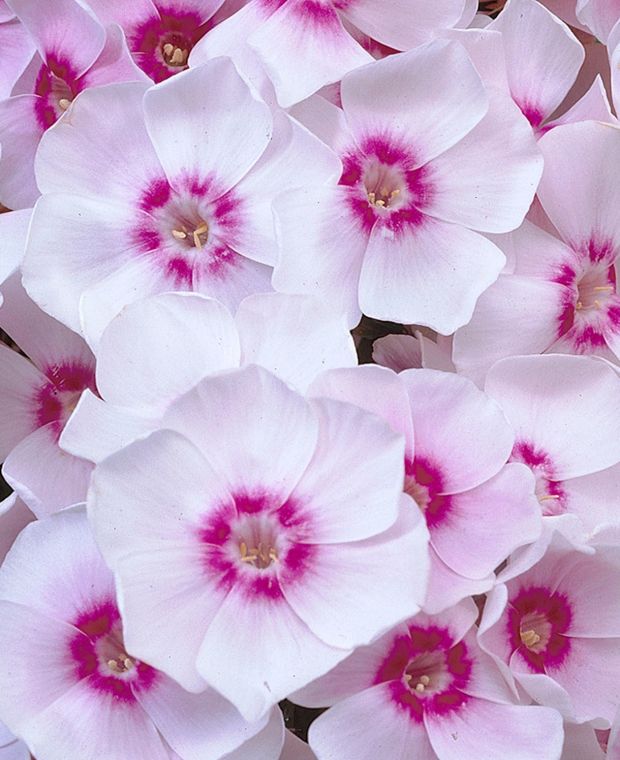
(430,273)
(158,348)
(458,427)
(272,325)
(352,486)
(255,431)
(568,406)
(19,382)
(13,231)
(19,135)
(353,592)
(224,132)
(380,96)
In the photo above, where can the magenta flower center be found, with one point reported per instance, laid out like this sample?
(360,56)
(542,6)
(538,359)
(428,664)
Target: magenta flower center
(99,654)
(538,618)
(426,671)
(56,85)
(550,494)
(57,399)
(424,483)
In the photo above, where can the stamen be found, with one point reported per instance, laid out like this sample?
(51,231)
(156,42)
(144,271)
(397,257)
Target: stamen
(64,103)
(530,638)
(419,687)
(425,680)
(549,496)
(179,234)
(179,57)
(168,49)
(603,288)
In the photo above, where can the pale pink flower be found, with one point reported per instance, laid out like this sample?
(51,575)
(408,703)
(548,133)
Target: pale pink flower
(161,34)
(426,690)
(178,200)
(477,510)
(160,347)
(565,411)
(394,238)
(38,395)
(72,684)
(270,525)
(74,52)
(305,44)
(555,631)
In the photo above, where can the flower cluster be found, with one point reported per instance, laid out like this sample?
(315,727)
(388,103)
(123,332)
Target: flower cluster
(309,379)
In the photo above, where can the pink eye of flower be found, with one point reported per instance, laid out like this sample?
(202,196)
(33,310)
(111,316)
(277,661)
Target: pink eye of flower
(595,288)
(57,399)
(423,483)
(56,86)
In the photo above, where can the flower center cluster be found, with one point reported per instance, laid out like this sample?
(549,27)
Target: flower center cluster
(385,185)
(537,621)
(196,237)
(174,55)
(595,288)
(258,538)
(427,674)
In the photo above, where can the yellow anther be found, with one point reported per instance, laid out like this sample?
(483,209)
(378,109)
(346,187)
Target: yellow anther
(425,680)
(419,687)
(179,234)
(168,49)
(64,103)
(603,288)
(548,496)
(530,638)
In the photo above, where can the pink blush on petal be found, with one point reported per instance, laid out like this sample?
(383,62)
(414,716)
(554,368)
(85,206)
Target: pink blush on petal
(537,620)
(99,654)
(55,401)
(426,671)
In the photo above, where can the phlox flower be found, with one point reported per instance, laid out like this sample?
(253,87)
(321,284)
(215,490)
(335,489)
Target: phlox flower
(565,411)
(181,200)
(477,510)
(272,527)
(161,33)
(303,45)
(140,372)
(554,630)
(420,140)
(73,52)
(73,686)
(558,295)
(39,392)
(426,690)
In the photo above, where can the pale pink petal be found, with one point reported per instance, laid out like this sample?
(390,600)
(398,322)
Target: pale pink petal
(256,672)
(252,428)
(114,63)
(338,734)
(295,749)
(225,130)
(580,742)
(19,137)
(14,516)
(592,106)
(539,80)
(595,497)
(66,541)
(326,260)
(380,95)
(158,348)
(19,382)
(325,120)
(116,428)
(36,675)
(46,477)
(429,274)
(272,325)
(63,29)
(345,581)
(45,341)
(516,315)
(266,743)
(375,389)
(487,181)
(599,16)
(486,524)
(486,729)
(304,46)
(398,352)
(93,153)
(486,51)
(403,24)
(18,48)
(473,440)
(293,158)
(567,406)
(446,588)
(97,242)
(582,157)
(361,496)
(118,11)
(197,726)
(94,722)
(13,230)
